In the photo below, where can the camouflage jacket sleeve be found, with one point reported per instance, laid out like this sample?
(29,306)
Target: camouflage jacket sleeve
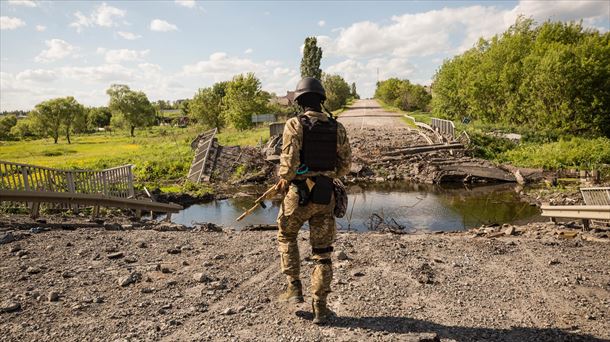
(344,153)
(290,158)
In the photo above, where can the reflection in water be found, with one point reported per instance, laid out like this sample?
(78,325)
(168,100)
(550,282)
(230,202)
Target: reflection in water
(415,206)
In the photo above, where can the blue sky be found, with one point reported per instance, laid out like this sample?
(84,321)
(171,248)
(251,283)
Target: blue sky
(169,49)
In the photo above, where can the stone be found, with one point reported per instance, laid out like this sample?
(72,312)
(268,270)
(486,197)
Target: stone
(142,244)
(342,256)
(53,296)
(358,274)
(130,279)
(116,255)
(21,253)
(510,230)
(14,248)
(10,307)
(32,270)
(6,238)
(173,251)
(201,278)
(36,230)
(218,257)
(554,262)
(131,259)
(166,270)
(228,311)
(67,274)
(147,290)
(217,285)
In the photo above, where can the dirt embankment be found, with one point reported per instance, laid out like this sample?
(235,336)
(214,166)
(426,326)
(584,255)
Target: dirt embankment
(539,282)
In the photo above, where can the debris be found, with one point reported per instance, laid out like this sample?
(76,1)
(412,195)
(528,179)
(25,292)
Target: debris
(130,279)
(33,270)
(342,256)
(509,231)
(201,278)
(424,274)
(174,250)
(113,226)
(6,238)
(53,296)
(228,311)
(116,255)
(10,307)
(36,230)
(206,227)
(259,227)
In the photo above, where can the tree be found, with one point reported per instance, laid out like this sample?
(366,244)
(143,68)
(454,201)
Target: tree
(337,91)
(207,105)
(312,55)
(185,107)
(7,122)
(353,92)
(99,117)
(53,115)
(24,128)
(132,107)
(243,98)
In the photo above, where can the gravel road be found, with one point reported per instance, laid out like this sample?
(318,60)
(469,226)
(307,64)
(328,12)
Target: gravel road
(144,285)
(369,114)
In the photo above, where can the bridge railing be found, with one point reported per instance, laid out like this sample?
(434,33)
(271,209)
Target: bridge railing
(113,182)
(444,127)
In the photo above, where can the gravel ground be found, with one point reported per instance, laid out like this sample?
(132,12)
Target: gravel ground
(541,284)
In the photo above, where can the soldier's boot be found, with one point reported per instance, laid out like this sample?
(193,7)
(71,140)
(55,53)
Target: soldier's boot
(321,312)
(293,293)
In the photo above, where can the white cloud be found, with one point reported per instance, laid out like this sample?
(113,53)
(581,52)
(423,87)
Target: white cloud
(186,3)
(37,75)
(103,15)
(129,35)
(321,23)
(10,23)
(162,26)
(123,55)
(248,51)
(106,73)
(26,3)
(41,28)
(56,49)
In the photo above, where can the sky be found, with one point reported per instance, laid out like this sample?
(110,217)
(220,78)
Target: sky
(170,49)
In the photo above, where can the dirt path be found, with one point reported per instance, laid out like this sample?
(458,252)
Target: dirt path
(367,114)
(198,286)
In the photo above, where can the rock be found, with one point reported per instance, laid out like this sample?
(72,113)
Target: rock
(554,262)
(67,274)
(228,311)
(53,296)
(21,253)
(174,251)
(201,278)
(342,256)
(166,270)
(218,257)
(98,300)
(147,290)
(36,230)
(424,274)
(10,307)
(131,259)
(142,244)
(358,274)
(32,270)
(6,238)
(112,226)
(509,231)
(14,248)
(127,226)
(116,255)
(217,285)
(130,279)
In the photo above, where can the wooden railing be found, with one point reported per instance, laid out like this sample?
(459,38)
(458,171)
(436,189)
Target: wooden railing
(114,182)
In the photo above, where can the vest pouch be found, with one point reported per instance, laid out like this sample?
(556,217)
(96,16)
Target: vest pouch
(302,191)
(322,192)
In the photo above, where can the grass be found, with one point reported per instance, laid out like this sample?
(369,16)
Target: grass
(161,155)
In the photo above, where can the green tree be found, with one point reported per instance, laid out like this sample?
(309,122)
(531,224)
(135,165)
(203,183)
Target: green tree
(353,92)
(7,122)
(337,91)
(53,115)
(132,107)
(25,128)
(99,117)
(243,98)
(185,107)
(72,112)
(312,55)
(207,105)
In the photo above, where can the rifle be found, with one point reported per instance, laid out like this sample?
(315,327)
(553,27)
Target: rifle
(259,201)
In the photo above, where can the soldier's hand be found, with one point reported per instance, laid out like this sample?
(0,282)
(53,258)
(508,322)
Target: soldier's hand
(282,186)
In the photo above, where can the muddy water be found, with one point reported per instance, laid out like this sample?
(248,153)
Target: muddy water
(414,206)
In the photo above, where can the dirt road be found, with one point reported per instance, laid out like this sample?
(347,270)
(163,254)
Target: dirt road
(367,114)
(145,285)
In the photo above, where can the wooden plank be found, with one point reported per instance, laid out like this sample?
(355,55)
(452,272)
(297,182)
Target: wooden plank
(593,212)
(86,199)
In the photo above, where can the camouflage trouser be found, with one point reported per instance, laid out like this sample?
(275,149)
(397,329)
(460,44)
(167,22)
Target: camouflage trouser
(322,233)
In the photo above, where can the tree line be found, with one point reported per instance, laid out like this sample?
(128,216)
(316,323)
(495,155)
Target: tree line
(403,94)
(554,77)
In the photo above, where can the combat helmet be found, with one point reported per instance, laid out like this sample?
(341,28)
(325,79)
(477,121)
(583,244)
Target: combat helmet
(309,85)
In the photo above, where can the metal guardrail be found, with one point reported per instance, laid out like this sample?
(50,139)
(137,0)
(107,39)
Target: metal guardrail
(584,212)
(199,169)
(596,196)
(444,127)
(115,182)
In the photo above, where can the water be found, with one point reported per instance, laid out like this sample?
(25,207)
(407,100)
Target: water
(414,206)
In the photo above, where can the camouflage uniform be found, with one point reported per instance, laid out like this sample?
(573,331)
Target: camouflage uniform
(320,217)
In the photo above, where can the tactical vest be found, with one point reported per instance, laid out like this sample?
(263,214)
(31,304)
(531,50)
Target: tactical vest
(319,149)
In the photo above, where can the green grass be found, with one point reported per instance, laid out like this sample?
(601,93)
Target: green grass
(161,155)
(420,116)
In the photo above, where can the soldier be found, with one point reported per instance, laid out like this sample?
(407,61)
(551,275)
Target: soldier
(315,151)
